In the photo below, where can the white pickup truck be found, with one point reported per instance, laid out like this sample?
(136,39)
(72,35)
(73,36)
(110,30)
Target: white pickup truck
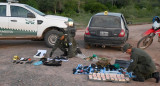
(21,21)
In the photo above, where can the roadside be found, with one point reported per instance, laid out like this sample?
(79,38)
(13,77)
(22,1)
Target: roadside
(30,75)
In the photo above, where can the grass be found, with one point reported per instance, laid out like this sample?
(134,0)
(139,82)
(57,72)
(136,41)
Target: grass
(82,20)
(140,20)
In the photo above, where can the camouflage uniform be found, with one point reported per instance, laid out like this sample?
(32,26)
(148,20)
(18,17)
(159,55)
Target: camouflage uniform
(141,64)
(68,45)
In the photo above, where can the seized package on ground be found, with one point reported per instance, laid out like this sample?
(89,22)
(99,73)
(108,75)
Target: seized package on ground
(53,63)
(122,63)
(50,62)
(80,69)
(109,77)
(91,58)
(22,60)
(40,54)
(93,68)
(108,73)
(103,62)
(100,61)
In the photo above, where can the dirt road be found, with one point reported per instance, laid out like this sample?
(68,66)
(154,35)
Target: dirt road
(30,75)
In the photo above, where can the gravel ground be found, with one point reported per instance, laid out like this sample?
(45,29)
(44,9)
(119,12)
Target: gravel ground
(30,75)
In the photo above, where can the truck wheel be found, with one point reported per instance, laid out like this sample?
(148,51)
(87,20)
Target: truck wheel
(51,38)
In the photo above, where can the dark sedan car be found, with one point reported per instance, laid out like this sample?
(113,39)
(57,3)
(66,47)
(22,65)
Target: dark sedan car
(106,29)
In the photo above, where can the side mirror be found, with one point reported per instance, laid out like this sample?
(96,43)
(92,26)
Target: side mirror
(31,15)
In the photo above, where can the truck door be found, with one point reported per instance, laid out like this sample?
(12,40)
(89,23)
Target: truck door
(3,20)
(21,23)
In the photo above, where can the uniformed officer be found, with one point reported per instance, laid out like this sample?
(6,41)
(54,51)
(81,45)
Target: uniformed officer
(141,64)
(66,43)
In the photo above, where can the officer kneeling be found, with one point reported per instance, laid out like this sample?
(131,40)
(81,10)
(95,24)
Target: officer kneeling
(67,44)
(141,64)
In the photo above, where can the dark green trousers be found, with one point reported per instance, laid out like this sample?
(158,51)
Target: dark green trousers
(142,75)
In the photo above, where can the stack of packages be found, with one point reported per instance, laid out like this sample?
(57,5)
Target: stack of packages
(109,77)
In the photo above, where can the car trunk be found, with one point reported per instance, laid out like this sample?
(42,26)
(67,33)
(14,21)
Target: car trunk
(105,26)
(109,32)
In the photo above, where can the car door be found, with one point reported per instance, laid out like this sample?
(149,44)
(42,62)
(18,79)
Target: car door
(126,26)
(3,21)
(21,24)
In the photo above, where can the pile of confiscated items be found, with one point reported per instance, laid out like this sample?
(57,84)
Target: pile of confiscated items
(104,71)
(57,61)
(18,60)
(103,62)
(94,57)
(109,77)
(93,68)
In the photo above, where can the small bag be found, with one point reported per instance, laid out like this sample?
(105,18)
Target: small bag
(52,63)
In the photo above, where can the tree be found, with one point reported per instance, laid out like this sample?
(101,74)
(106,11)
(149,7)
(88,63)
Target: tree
(122,3)
(70,7)
(2,0)
(32,3)
(95,7)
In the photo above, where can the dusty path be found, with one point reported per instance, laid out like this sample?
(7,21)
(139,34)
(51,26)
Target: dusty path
(30,75)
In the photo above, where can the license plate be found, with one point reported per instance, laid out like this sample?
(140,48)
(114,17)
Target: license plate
(103,33)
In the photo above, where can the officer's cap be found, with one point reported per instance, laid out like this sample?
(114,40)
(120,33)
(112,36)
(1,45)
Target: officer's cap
(125,47)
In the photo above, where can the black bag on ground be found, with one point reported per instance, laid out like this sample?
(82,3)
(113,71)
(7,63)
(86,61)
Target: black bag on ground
(122,63)
(51,62)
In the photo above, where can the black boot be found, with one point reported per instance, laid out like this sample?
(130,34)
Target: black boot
(156,76)
(65,53)
(78,51)
(51,54)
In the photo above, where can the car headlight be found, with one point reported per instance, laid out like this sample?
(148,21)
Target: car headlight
(69,22)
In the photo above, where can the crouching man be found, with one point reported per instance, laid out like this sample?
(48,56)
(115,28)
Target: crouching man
(141,64)
(67,44)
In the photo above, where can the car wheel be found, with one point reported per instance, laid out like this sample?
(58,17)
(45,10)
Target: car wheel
(51,38)
(87,46)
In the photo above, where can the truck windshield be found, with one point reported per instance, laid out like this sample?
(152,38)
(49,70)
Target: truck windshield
(35,10)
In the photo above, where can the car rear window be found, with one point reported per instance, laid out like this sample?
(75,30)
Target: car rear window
(106,21)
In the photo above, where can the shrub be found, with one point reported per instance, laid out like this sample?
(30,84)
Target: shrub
(95,7)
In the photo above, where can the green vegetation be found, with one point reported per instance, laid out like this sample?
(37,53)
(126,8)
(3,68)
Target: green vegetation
(82,20)
(137,11)
(140,20)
